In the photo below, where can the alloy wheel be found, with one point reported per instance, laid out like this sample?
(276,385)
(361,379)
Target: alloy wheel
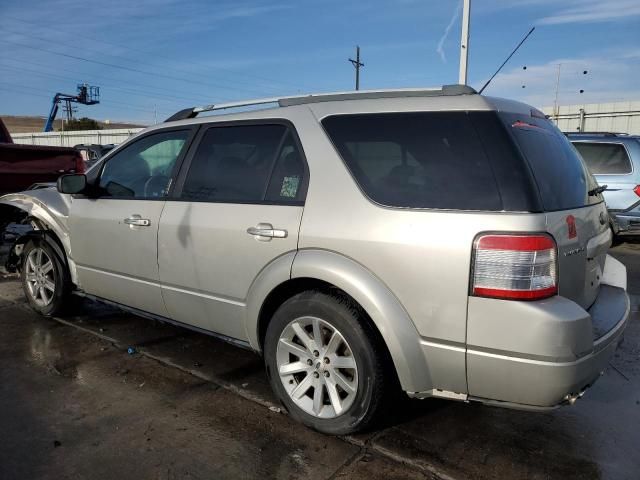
(40,277)
(317,367)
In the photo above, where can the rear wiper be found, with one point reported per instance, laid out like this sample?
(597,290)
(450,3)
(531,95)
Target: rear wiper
(597,191)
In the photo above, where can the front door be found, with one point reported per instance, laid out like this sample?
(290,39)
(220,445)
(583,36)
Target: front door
(238,207)
(114,233)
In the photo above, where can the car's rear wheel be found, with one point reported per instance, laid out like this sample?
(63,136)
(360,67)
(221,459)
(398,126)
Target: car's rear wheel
(325,363)
(45,279)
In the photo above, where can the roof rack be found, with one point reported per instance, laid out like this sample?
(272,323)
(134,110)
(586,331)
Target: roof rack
(445,90)
(604,134)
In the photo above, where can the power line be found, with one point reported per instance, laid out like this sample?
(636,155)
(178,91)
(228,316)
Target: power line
(110,102)
(101,77)
(138,62)
(28,90)
(13,89)
(7,89)
(129,47)
(121,67)
(173,99)
(146,52)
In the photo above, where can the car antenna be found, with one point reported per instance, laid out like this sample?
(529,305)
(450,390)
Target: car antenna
(508,58)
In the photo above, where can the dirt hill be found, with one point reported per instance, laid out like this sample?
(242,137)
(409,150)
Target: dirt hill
(17,124)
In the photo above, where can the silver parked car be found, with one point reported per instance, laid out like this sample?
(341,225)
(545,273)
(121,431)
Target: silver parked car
(438,241)
(614,161)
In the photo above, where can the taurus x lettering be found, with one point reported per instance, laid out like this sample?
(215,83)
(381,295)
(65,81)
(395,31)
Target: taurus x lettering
(573,251)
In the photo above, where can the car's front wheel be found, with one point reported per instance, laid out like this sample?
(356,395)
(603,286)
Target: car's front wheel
(326,363)
(44,276)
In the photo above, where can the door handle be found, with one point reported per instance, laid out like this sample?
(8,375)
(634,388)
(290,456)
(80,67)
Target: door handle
(265,232)
(137,221)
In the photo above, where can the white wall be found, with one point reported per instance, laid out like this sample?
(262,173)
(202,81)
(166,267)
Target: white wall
(69,139)
(619,117)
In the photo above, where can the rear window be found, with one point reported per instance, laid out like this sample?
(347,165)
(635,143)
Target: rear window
(416,160)
(605,158)
(562,178)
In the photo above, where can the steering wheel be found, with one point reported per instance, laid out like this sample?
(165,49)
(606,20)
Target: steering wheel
(156,186)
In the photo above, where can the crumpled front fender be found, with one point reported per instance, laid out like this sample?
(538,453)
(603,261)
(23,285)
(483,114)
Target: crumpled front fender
(51,208)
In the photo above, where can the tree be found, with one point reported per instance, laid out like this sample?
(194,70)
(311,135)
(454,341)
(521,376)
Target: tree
(83,123)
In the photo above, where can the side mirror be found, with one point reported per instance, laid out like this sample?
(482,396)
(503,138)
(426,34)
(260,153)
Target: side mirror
(73,183)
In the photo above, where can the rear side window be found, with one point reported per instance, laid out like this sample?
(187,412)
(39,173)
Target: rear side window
(560,174)
(416,160)
(245,164)
(286,183)
(605,158)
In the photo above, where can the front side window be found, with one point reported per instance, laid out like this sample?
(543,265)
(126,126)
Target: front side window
(144,168)
(245,164)
(604,158)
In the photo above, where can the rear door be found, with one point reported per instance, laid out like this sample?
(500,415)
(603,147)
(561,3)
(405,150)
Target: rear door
(611,165)
(237,208)
(576,215)
(114,234)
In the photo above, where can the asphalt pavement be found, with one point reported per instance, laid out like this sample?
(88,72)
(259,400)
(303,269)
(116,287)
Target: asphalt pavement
(75,404)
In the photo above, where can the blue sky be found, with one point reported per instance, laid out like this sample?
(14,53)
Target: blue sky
(163,55)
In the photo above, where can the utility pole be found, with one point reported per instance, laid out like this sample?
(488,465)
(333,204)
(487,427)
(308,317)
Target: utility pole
(357,64)
(464,42)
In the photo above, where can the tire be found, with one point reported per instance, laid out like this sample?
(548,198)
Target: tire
(45,278)
(312,388)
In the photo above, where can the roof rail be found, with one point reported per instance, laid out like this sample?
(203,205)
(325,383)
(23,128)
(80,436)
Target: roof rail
(604,134)
(445,90)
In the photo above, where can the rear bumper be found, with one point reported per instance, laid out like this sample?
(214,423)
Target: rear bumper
(557,349)
(529,383)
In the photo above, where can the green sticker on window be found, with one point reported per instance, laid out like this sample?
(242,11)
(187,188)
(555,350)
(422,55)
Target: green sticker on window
(290,187)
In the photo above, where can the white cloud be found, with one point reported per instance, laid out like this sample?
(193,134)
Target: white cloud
(554,12)
(586,11)
(140,22)
(443,38)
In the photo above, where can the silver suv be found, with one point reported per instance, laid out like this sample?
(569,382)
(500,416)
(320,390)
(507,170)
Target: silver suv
(435,241)
(614,161)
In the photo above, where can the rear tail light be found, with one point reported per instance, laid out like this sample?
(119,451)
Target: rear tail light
(636,190)
(516,267)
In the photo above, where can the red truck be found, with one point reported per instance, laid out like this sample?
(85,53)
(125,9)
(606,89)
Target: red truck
(24,165)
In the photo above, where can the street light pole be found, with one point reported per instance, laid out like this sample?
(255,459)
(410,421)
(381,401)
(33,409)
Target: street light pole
(464,42)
